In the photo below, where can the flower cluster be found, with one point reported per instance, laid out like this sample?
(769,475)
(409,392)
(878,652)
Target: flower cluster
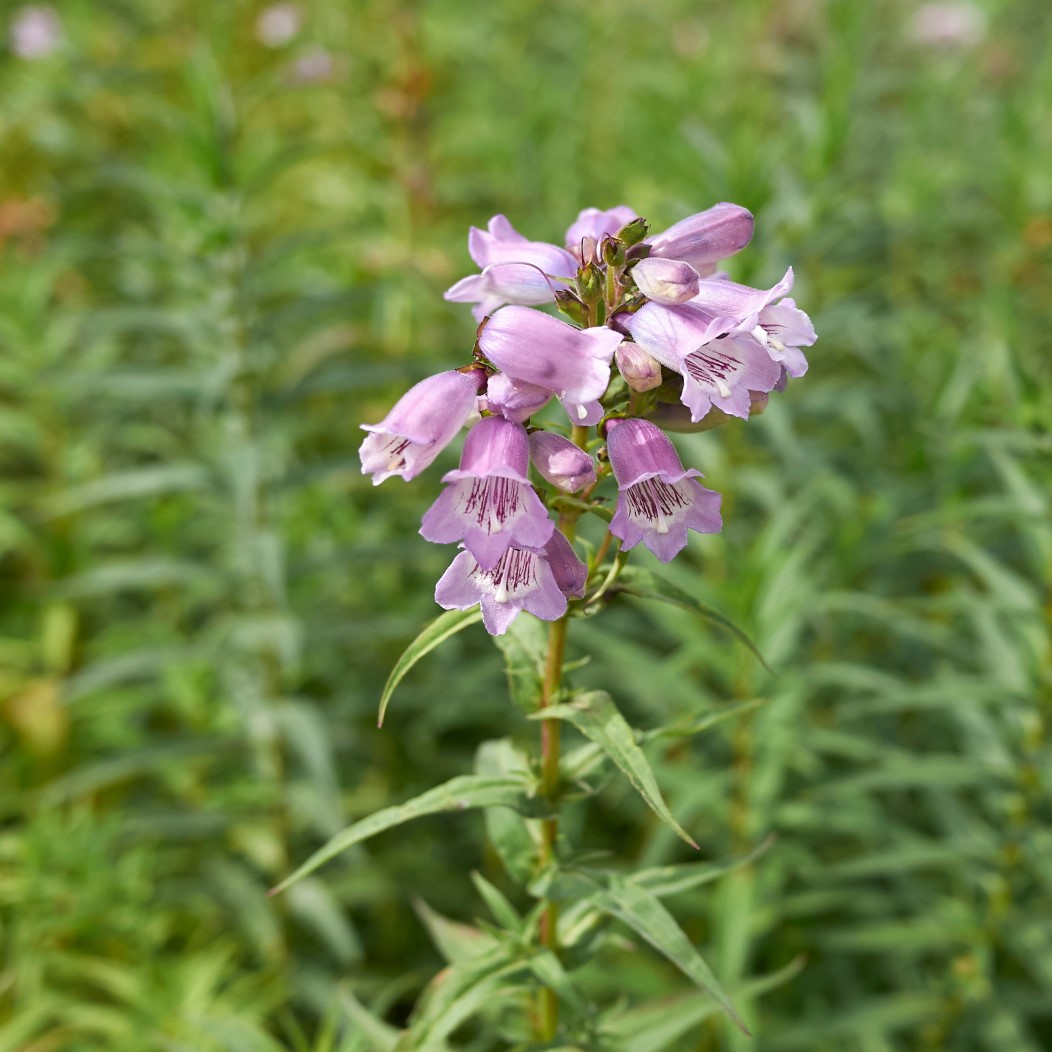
(691,348)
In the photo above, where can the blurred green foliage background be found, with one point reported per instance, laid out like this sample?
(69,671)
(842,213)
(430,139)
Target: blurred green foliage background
(223,243)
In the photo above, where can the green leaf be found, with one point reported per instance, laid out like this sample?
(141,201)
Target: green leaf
(503,911)
(645,584)
(515,839)
(673,880)
(525,648)
(549,970)
(653,1026)
(458,943)
(459,794)
(643,912)
(597,718)
(381,1036)
(433,635)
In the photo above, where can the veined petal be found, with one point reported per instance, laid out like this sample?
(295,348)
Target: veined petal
(669,333)
(538,349)
(501,243)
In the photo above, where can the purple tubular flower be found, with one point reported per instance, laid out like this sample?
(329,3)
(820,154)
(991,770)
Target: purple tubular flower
(564,465)
(513,400)
(665,280)
(594,223)
(659,499)
(719,363)
(488,502)
(513,269)
(535,348)
(421,424)
(520,580)
(781,327)
(706,237)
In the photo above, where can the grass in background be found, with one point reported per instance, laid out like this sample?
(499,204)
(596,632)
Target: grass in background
(218,258)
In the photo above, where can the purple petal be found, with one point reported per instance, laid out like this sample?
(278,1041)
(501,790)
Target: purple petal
(724,372)
(494,446)
(515,400)
(641,371)
(728,298)
(503,244)
(501,283)
(706,237)
(421,424)
(638,450)
(536,348)
(594,223)
(570,573)
(670,333)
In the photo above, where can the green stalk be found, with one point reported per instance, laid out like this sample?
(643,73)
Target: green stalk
(548,1004)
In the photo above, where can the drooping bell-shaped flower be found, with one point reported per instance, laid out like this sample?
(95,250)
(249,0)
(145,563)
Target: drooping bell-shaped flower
(705,238)
(535,348)
(560,462)
(514,269)
(570,573)
(780,326)
(659,499)
(488,503)
(719,363)
(421,424)
(521,580)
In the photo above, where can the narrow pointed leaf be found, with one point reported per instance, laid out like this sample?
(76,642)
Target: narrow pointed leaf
(458,943)
(673,880)
(381,1036)
(597,718)
(433,635)
(458,794)
(643,912)
(644,584)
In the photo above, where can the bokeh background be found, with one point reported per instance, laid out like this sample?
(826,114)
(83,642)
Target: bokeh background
(225,229)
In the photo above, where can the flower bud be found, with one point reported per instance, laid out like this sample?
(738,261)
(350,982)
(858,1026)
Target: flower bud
(632,233)
(613,252)
(667,281)
(640,370)
(590,283)
(560,462)
(571,306)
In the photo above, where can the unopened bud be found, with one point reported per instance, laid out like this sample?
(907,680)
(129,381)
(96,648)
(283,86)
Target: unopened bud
(665,281)
(640,370)
(632,233)
(590,283)
(571,306)
(613,251)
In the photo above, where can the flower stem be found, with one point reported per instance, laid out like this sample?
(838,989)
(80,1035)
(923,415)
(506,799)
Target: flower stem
(548,1005)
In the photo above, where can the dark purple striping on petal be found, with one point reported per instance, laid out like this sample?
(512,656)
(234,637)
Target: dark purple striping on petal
(395,447)
(492,498)
(653,497)
(517,569)
(708,368)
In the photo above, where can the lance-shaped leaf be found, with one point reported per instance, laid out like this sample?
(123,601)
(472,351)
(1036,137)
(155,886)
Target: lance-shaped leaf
(645,584)
(458,943)
(515,839)
(643,912)
(434,634)
(674,880)
(459,794)
(380,1036)
(597,718)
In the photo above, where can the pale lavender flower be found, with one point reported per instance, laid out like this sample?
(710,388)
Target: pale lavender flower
(35,32)
(641,371)
(593,223)
(535,348)
(514,400)
(560,462)
(421,424)
(948,24)
(659,500)
(498,284)
(278,24)
(720,365)
(666,281)
(521,580)
(780,326)
(706,237)
(488,502)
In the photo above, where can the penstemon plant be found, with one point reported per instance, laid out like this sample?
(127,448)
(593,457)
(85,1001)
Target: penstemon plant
(692,349)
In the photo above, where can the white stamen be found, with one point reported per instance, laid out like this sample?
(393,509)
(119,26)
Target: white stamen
(581,412)
(725,391)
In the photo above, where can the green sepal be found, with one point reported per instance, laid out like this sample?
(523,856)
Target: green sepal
(434,634)
(597,718)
